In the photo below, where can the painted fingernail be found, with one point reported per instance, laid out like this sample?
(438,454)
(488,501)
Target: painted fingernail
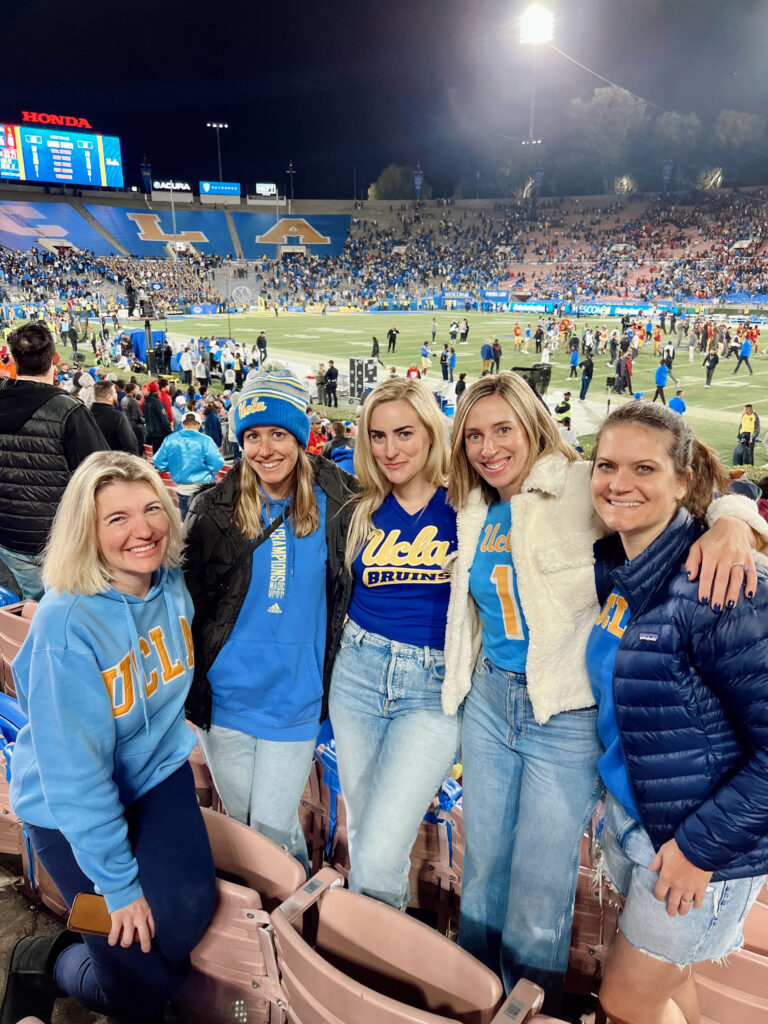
(715,607)
(689,575)
(705,601)
(730,604)
(750,593)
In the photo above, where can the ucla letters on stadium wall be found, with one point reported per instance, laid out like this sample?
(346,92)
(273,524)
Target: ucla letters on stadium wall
(22,224)
(324,234)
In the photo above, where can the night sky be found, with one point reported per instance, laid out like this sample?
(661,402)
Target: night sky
(360,84)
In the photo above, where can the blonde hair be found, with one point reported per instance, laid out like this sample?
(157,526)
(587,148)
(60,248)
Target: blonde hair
(374,485)
(72,560)
(303,510)
(691,459)
(538,426)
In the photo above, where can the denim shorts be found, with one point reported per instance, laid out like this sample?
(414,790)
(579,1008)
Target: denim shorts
(708,933)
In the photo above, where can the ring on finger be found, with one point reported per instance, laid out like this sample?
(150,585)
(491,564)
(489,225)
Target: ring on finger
(686,899)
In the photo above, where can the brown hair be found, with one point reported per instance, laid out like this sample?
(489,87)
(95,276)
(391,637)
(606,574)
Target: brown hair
(707,473)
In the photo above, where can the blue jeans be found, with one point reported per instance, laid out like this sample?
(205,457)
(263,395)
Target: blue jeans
(260,782)
(740,360)
(170,843)
(28,572)
(709,932)
(395,746)
(529,792)
(585,382)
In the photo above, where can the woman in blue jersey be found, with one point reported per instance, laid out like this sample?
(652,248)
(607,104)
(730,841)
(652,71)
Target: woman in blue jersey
(100,773)
(395,745)
(523,604)
(683,718)
(263,560)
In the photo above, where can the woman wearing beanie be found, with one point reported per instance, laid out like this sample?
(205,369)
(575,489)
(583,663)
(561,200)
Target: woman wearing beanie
(395,746)
(264,563)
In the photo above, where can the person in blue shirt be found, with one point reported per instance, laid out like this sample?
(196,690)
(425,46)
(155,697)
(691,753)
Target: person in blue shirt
(682,718)
(662,372)
(744,352)
(394,743)
(262,560)
(191,458)
(677,404)
(573,362)
(101,777)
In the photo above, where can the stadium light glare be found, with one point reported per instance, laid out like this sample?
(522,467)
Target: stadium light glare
(537,25)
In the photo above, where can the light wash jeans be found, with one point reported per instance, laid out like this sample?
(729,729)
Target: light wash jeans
(28,572)
(395,746)
(529,792)
(260,782)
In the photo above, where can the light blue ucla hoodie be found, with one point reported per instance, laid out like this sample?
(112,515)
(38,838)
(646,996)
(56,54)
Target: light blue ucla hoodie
(267,680)
(103,681)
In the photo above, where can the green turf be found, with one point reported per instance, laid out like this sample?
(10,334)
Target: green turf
(713,413)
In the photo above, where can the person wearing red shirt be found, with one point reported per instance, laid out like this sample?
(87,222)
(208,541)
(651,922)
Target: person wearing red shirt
(317,438)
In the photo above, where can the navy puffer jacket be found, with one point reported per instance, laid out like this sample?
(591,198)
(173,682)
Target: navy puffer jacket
(691,697)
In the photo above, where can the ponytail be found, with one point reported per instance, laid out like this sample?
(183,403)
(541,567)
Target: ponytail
(707,476)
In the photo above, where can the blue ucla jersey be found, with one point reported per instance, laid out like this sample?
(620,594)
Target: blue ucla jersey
(493,585)
(602,647)
(401,588)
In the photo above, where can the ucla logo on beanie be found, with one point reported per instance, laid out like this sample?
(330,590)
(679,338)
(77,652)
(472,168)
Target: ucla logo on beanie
(273,397)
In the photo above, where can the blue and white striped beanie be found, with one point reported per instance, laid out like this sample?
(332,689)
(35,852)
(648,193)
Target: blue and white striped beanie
(273,397)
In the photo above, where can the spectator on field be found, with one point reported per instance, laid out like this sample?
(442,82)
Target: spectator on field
(331,384)
(191,458)
(461,386)
(212,421)
(710,362)
(44,436)
(133,414)
(111,422)
(185,362)
(662,372)
(155,417)
(677,404)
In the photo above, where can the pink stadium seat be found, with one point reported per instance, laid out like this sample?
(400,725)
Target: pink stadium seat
(736,992)
(756,930)
(14,626)
(234,972)
(11,835)
(369,963)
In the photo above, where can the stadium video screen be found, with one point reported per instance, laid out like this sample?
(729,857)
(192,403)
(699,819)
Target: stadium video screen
(31,153)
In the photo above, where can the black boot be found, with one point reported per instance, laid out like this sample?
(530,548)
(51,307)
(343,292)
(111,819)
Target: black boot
(30,990)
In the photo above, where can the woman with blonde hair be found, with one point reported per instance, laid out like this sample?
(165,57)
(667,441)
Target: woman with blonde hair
(264,563)
(523,603)
(100,772)
(394,744)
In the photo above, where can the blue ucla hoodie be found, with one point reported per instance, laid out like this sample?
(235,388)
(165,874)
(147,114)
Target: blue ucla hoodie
(103,681)
(267,679)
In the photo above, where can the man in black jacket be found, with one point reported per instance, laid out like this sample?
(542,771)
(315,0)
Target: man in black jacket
(44,436)
(111,422)
(331,383)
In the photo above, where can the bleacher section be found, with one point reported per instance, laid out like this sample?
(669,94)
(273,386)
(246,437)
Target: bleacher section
(145,232)
(22,225)
(323,235)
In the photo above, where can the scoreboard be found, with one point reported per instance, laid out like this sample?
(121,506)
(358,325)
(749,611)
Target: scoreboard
(31,153)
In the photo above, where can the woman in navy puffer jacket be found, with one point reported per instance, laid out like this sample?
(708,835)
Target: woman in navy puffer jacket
(682,691)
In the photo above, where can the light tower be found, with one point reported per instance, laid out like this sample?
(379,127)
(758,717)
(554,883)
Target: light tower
(536,29)
(218,125)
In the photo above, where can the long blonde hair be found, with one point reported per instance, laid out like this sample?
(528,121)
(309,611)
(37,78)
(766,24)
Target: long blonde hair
(540,429)
(374,485)
(72,560)
(303,510)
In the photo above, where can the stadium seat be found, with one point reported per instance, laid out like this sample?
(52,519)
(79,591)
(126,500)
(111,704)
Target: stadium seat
(736,992)
(11,835)
(756,929)
(234,972)
(14,626)
(369,963)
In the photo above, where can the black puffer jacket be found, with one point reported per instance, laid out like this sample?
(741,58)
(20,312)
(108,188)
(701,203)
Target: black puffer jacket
(44,436)
(212,546)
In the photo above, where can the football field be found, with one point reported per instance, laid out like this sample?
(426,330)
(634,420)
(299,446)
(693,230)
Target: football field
(713,413)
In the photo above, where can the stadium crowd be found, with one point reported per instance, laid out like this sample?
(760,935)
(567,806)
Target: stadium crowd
(681,247)
(527,656)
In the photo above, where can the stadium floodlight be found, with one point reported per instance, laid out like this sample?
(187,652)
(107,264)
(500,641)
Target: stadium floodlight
(218,125)
(537,27)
